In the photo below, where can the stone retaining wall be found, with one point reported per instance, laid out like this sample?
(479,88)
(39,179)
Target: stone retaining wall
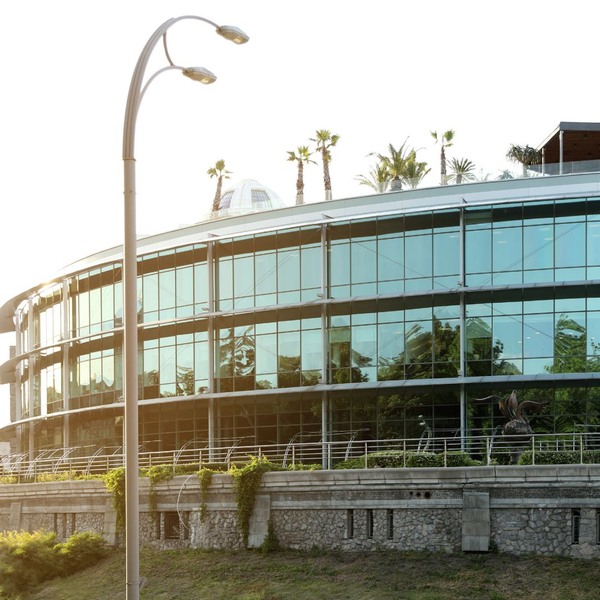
(546,510)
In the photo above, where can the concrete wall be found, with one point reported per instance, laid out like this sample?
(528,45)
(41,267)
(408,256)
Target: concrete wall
(511,509)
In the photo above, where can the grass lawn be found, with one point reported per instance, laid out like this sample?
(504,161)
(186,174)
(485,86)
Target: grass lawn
(249,575)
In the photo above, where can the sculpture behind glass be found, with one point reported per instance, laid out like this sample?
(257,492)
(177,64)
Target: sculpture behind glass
(517,429)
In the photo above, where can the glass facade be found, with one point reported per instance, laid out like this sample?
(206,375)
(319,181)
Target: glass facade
(304,330)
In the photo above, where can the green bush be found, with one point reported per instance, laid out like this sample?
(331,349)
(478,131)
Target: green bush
(81,551)
(303,467)
(395,460)
(28,559)
(561,457)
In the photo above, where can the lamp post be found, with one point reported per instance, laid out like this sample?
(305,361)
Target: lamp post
(130,351)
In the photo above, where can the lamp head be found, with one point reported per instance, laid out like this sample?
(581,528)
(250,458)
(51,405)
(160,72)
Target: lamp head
(200,74)
(234,34)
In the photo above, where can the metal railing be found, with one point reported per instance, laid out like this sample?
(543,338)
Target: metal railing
(574,448)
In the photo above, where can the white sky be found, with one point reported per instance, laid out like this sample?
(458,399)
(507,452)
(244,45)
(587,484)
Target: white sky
(373,72)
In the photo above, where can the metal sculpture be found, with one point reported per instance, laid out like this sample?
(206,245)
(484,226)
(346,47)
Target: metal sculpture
(517,429)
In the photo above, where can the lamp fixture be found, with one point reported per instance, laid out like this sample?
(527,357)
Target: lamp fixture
(233,34)
(200,74)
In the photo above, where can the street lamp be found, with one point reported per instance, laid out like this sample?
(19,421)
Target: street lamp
(130,351)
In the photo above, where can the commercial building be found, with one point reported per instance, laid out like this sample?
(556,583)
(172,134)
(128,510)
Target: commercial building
(370,317)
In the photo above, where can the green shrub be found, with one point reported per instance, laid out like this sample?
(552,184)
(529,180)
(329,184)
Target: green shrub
(28,559)
(560,457)
(395,460)
(453,459)
(81,551)
(303,467)
(61,476)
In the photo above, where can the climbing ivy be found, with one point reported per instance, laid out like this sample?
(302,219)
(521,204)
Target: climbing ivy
(270,543)
(157,474)
(115,484)
(246,482)
(205,477)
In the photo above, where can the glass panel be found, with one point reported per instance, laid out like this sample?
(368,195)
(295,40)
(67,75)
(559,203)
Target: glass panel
(95,306)
(166,289)
(224,268)
(419,250)
(185,286)
(311,350)
(167,364)
(446,250)
(150,293)
(418,342)
(266,354)
(339,264)
(539,336)
(266,276)
(311,267)
(570,245)
(593,243)
(340,346)
(288,270)
(508,251)
(538,247)
(364,345)
(364,262)
(243,282)
(390,263)
(200,284)
(508,336)
(289,351)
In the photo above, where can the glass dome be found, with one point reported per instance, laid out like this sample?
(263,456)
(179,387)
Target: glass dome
(247,196)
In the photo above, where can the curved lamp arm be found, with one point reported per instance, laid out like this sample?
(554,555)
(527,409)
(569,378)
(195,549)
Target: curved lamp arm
(136,91)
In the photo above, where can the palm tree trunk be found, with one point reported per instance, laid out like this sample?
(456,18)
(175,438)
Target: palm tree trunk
(300,182)
(443,165)
(217,200)
(326,178)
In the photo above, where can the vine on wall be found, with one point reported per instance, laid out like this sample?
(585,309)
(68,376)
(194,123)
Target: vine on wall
(205,477)
(157,474)
(246,482)
(115,484)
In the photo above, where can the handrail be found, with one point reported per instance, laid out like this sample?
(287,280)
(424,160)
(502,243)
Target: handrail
(486,448)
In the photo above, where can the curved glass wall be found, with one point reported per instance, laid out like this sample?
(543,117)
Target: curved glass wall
(393,310)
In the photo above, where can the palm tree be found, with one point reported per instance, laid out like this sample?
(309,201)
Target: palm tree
(396,163)
(505,174)
(526,155)
(462,169)
(414,171)
(220,173)
(445,141)
(302,158)
(325,141)
(378,179)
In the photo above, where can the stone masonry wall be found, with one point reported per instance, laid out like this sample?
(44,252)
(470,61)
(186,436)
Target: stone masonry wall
(399,529)
(529,510)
